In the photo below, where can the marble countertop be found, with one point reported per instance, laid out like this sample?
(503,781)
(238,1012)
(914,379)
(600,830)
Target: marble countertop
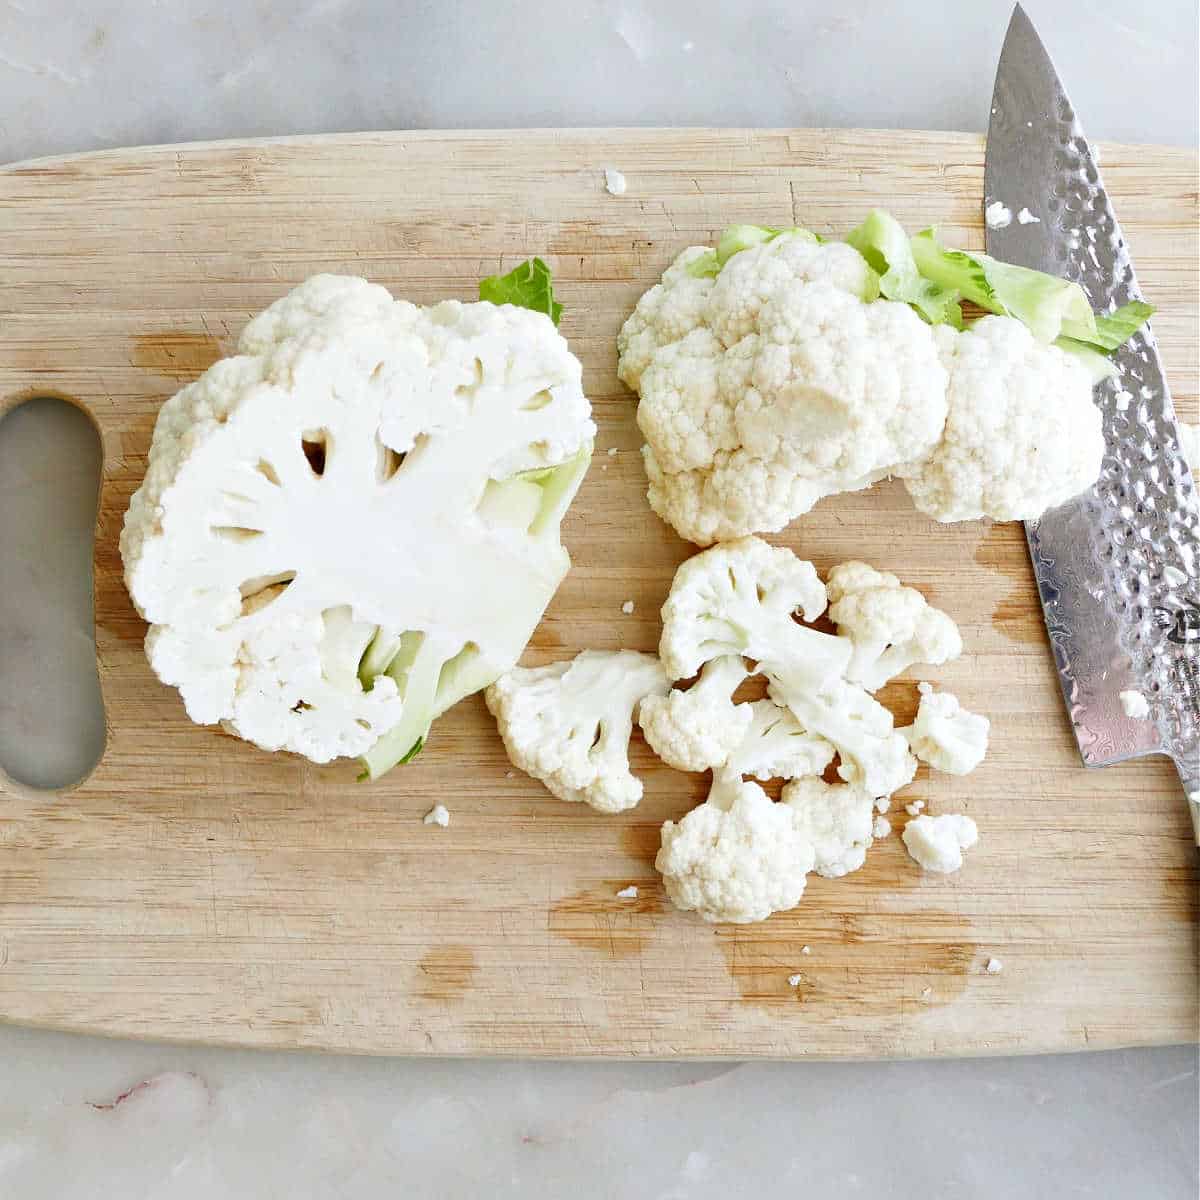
(84,1118)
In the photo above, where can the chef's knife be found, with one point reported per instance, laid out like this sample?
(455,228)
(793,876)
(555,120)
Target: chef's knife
(1117,568)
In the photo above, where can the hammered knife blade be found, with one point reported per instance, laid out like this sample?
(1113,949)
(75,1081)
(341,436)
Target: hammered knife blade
(1117,568)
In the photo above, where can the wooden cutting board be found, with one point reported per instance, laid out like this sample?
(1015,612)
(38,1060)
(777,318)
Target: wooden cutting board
(195,888)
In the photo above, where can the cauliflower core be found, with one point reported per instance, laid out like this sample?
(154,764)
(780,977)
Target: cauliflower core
(353,523)
(569,724)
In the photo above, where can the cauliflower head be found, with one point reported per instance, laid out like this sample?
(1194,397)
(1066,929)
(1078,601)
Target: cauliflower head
(937,843)
(1022,432)
(946,735)
(891,626)
(699,728)
(569,724)
(778,382)
(737,857)
(837,819)
(354,522)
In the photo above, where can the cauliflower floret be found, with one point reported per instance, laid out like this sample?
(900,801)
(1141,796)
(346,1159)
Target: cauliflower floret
(788,388)
(739,598)
(699,728)
(892,627)
(569,724)
(667,312)
(837,819)
(946,735)
(737,857)
(937,843)
(1022,433)
(776,746)
(874,755)
(284,534)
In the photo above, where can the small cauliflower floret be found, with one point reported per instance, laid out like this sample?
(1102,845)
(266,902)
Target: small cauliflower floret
(354,523)
(739,598)
(937,843)
(793,384)
(699,728)
(666,313)
(1022,433)
(569,724)
(737,857)
(776,746)
(891,626)
(946,735)
(837,819)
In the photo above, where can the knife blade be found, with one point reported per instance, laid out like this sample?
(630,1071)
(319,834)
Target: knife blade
(1117,567)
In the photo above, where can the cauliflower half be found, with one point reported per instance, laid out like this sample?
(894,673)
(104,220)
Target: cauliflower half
(779,382)
(354,522)
(569,724)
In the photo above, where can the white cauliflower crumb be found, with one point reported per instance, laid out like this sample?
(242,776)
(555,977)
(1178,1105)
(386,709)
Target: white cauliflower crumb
(805,949)
(437,815)
(612,450)
(627,608)
(1025,217)
(628,893)
(882,827)
(1136,706)
(614,182)
(937,843)
(510,774)
(883,803)
(997,215)
(994,966)
(795,980)
(914,809)
(926,993)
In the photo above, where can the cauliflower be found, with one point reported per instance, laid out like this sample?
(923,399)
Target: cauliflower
(775,746)
(354,522)
(891,627)
(781,381)
(1022,433)
(740,598)
(737,857)
(699,728)
(837,819)
(569,724)
(1189,445)
(937,843)
(946,735)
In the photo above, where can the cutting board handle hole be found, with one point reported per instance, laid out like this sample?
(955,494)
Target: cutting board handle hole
(51,712)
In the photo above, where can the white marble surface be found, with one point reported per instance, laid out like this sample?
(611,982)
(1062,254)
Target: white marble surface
(81,74)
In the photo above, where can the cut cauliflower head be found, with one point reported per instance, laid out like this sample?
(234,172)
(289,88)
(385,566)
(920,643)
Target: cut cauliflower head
(569,724)
(354,522)
(699,728)
(837,819)
(937,843)
(891,626)
(946,735)
(737,857)
(784,384)
(1022,433)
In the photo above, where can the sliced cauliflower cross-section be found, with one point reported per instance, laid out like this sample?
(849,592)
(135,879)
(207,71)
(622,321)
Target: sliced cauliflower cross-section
(946,735)
(354,522)
(891,626)
(737,857)
(569,724)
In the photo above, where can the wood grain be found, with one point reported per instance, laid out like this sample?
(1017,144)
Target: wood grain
(194,888)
